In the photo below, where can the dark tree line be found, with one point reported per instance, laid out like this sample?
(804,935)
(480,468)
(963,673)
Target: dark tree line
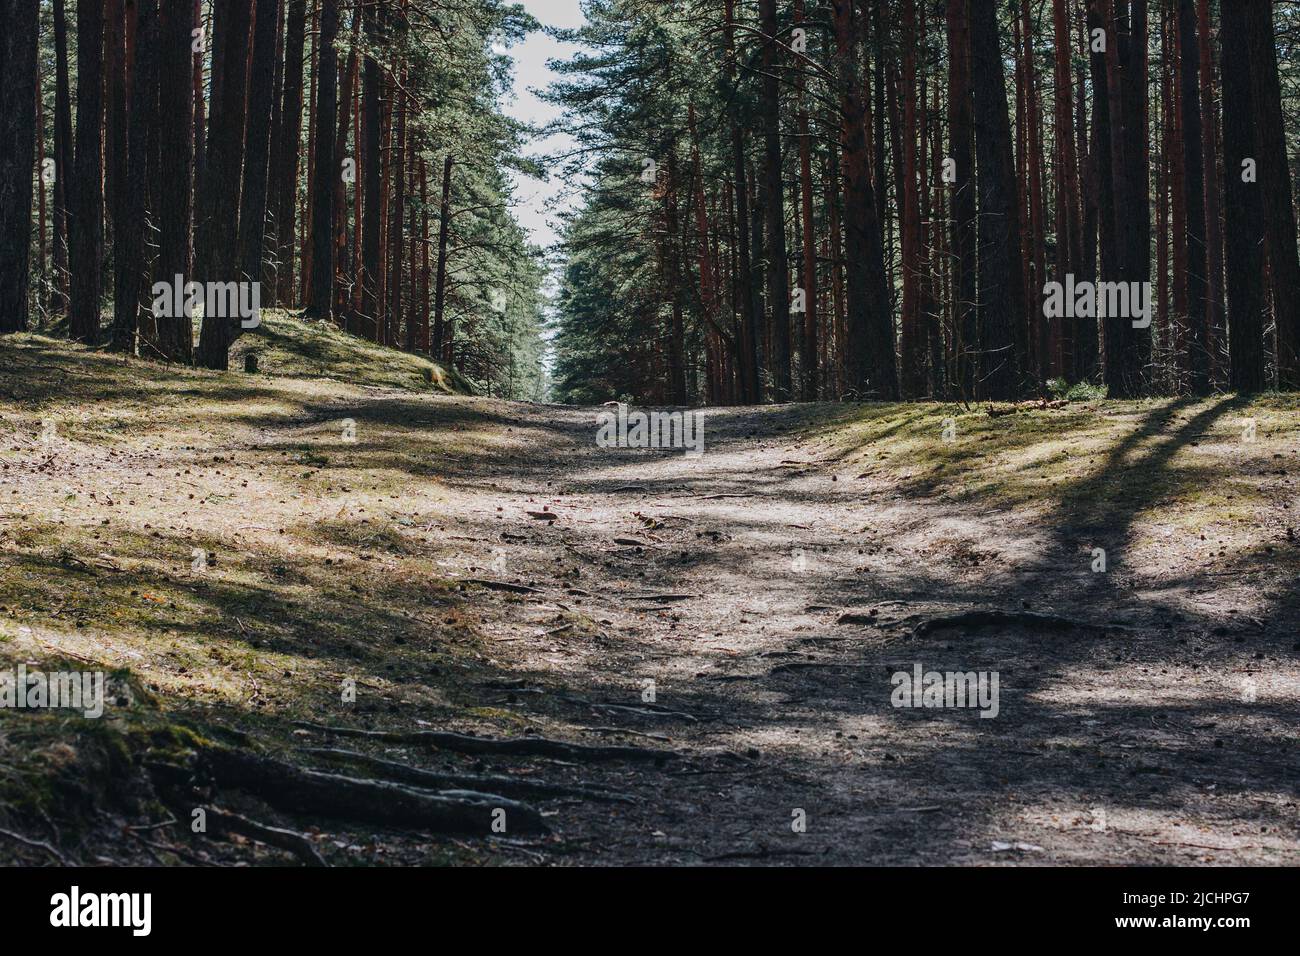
(289,143)
(888,189)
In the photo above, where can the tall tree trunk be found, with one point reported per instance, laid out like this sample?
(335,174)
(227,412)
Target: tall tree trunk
(1163,316)
(42,271)
(673,279)
(1042,336)
(1086,345)
(290,148)
(62,160)
(199,48)
(442,334)
(271,236)
(1002,327)
(1213,197)
(132,265)
(245,259)
(86,227)
(870,369)
(176,170)
(217,229)
(309,196)
(1243,212)
(17,146)
(1275,187)
(763,344)
(370,163)
(836,376)
(808,356)
(385,198)
(412,311)
(321,299)
(1069,233)
(344,274)
(1136,98)
(424,248)
(1125,357)
(879,110)
(1198,318)
(910,201)
(778,285)
(751,316)
(960,134)
(397,214)
(1102,173)
(114,112)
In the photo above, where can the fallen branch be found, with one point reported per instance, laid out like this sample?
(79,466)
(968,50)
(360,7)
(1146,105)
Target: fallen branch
(515,746)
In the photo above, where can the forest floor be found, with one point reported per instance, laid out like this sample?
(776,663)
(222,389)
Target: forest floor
(481,566)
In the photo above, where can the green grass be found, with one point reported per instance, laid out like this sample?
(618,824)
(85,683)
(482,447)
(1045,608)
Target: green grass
(286,345)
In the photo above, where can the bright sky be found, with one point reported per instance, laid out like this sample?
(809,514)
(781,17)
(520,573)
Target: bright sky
(531,74)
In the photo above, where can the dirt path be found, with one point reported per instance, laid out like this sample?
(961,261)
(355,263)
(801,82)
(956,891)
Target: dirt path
(767,593)
(790,590)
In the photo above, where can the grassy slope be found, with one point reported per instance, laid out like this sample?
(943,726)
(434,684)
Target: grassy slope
(288,346)
(98,523)
(1158,467)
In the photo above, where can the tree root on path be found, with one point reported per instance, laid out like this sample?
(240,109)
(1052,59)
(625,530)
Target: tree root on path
(808,665)
(432,779)
(296,790)
(515,746)
(993,616)
(289,840)
(501,586)
(36,845)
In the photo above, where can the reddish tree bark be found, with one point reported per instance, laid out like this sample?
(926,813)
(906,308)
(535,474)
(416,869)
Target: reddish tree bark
(1069,233)
(86,224)
(132,266)
(175,170)
(321,298)
(870,371)
(1243,213)
(808,356)
(778,285)
(961,151)
(1001,290)
(17,146)
(290,148)
(1275,188)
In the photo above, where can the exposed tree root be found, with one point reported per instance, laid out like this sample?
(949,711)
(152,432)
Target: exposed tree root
(501,586)
(994,616)
(36,845)
(296,790)
(295,843)
(643,710)
(509,786)
(516,746)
